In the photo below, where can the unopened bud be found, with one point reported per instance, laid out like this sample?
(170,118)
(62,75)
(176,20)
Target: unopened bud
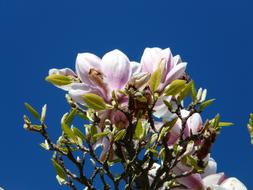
(139,80)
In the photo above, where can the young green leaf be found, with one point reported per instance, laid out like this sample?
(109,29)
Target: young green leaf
(185,91)
(94,101)
(43,113)
(175,87)
(215,122)
(193,90)
(155,79)
(93,131)
(119,135)
(69,118)
(59,170)
(139,131)
(203,105)
(58,80)
(32,111)
(168,104)
(68,132)
(100,135)
(192,162)
(225,124)
(78,133)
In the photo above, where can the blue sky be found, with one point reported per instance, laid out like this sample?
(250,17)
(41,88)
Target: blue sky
(214,37)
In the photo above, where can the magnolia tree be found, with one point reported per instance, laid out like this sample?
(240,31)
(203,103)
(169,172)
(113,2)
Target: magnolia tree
(141,126)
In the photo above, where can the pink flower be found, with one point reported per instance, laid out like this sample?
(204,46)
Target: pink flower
(102,76)
(173,67)
(193,125)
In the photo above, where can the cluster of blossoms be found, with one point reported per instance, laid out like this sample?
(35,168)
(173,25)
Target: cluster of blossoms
(135,114)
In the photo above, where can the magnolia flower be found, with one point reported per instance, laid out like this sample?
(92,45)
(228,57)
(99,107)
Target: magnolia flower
(193,125)
(219,182)
(209,180)
(102,76)
(172,67)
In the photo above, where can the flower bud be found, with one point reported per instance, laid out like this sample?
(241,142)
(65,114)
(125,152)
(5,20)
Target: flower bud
(139,80)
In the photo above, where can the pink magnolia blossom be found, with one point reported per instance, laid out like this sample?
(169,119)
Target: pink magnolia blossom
(173,67)
(209,180)
(193,125)
(102,76)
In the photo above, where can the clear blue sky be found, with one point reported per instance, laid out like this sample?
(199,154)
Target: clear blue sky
(214,37)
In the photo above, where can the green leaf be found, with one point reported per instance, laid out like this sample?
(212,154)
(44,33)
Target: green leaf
(78,133)
(93,131)
(59,170)
(155,153)
(94,101)
(167,126)
(203,105)
(139,131)
(168,104)
(155,79)
(225,124)
(43,113)
(69,118)
(185,91)
(58,80)
(32,111)
(215,122)
(119,135)
(192,162)
(100,135)
(36,127)
(175,87)
(193,90)
(68,132)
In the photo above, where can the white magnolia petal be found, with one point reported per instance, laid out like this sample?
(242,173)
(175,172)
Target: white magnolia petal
(175,73)
(77,91)
(64,71)
(176,60)
(135,68)
(214,179)
(150,59)
(166,55)
(211,167)
(233,183)
(115,66)
(193,181)
(152,174)
(161,110)
(193,124)
(85,62)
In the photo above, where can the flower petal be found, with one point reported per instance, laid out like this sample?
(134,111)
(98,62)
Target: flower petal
(150,59)
(84,63)
(161,110)
(193,125)
(175,73)
(79,89)
(193,181)
(135,68)
(211,167)
(214,179)
(233,184)
(115,67)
